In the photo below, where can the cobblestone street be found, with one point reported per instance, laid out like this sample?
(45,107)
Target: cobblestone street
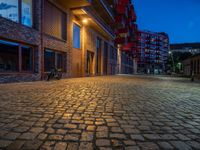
(101,113)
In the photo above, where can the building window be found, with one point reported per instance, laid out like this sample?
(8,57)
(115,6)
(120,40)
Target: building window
(10,9)
(9,57)
(15,57)
(26,16)
(49,59)
(27,58)
(54,59)
(60,61)
(55,21)
(76,36)
(113,54)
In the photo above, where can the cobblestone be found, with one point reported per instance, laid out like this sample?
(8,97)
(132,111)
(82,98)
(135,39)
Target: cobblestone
(101,113)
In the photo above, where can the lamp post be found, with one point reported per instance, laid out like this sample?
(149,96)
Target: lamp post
(171,54)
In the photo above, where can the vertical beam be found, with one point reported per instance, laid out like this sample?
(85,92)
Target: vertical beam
(33,58)
(20,11)
(119,61)
(20,58)
(42,42)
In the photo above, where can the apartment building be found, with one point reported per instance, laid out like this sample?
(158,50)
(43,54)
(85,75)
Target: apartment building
(126,36)
(152,52)
(77,37)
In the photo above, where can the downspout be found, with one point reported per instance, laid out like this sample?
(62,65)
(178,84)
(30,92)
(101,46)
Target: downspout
(42,45)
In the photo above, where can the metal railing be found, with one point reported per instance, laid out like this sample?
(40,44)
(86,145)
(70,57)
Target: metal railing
(108,8)
(98,20)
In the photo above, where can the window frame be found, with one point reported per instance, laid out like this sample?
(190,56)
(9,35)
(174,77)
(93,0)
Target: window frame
(33,56)
(21,14)
(56,52)
(77,25)
(20,70)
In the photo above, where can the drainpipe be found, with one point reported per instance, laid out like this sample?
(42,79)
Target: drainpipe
(42,45)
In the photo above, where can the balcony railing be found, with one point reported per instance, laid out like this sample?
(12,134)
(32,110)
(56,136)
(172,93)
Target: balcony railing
(74,3)
(120,40)
(108,8)
(98,20)
(120,9)
(122,2)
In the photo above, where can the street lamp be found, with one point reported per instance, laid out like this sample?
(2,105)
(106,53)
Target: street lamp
(171,54)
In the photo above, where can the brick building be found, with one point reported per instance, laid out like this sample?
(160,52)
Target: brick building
(191,66)
(126,36)
(152,52)
(75,36)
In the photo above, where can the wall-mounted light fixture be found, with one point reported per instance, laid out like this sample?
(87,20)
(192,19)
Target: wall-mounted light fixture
(85,21)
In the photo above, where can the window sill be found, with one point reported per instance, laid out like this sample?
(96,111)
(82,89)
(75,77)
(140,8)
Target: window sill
(77,48)
(16,73)
(55,38)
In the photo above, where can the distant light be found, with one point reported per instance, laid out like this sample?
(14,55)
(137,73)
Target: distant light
(170,52)
(85,21)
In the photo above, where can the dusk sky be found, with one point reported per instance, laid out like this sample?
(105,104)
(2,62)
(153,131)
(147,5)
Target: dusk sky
(179,18)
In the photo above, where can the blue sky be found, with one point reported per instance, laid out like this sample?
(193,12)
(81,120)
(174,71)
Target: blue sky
(179,18)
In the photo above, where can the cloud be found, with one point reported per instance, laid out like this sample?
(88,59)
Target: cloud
(4,6)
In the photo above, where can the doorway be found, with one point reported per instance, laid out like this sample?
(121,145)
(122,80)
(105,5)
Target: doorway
(89,61)
(105,59)
(98,57)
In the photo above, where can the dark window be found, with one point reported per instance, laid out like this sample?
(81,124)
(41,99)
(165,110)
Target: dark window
(49,59)
(76,36)
(55,21)
(112,52)
(9,57)
(11,60)
(60,62)
(105,57)
(10,9)
(36,61)
(27,58)
(53,60)
(98,57)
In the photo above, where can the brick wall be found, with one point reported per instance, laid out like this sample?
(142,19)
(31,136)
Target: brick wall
(13,31)
(17,32)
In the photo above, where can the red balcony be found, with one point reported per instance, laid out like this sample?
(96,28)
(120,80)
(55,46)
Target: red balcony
(123,2)
(132,14)
(134,27)
(118,18)
(129,20)
(119,21)
(129,46)
(121,9)
(120,40)
(122,31)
